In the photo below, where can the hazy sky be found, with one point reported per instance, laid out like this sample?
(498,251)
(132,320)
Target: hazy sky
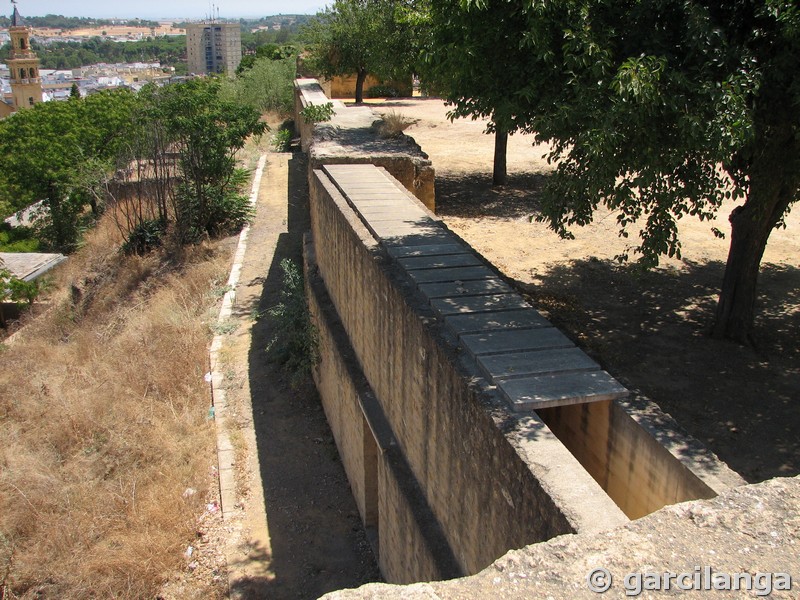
(157,9)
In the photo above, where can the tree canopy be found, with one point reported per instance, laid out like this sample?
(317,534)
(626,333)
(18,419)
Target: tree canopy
(55,152)
(68,23)
(168,50)
(177,171)
(179,142)
(361,37)
(657,109)
(206,131)
(266,84)
(467,64)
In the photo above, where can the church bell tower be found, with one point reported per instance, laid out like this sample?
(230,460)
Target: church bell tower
(23,64)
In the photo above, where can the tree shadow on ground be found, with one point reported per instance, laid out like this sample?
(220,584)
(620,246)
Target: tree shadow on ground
(650,330)
(473,196)
(317,541)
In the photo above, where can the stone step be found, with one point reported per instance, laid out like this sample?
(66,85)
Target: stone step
(477,304)
(439,262)
(515,340)
(452,274)
(497,321)
(536,362)
(532,393)
(454,289)
(431,250)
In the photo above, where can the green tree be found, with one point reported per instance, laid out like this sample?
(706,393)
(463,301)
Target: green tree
(205,131)
(361,37)
(467,63)
(268,85)
(168,50)
(55,152)
(660,109)
(268,51)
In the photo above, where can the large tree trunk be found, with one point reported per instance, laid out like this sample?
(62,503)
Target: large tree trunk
(737,299)
(500,168)
(774,180)
(361,77)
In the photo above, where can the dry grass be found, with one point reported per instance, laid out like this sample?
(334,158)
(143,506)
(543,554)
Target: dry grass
(103,425)
(393,124)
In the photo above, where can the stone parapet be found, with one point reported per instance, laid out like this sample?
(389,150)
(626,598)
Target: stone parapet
(748,534)
(489,478)
(350,138)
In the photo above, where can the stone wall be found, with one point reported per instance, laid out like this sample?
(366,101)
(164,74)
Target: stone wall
(449,468)
(351,138)
(747,530)
(636,471)
(413,544)
(490,479)
(345,87)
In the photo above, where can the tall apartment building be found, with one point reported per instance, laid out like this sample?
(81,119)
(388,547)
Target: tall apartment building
(213,47)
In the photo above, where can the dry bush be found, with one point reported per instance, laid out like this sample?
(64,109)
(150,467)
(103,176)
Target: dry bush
(103,426)
(393,124)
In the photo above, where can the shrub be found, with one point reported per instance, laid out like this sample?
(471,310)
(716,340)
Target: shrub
(393,124)
(221,209)
(144,237)
(267,86)
(197,192)
(281,140)
(317,113)
(17,239)
(295,344)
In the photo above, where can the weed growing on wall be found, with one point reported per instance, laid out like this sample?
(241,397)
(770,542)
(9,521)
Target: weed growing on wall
(393,124)
(295,343)
(317,113)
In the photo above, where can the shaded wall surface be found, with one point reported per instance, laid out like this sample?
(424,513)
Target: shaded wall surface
(752,531)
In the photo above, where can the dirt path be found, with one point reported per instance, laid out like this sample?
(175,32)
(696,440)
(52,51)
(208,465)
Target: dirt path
(298,533)
(648,329)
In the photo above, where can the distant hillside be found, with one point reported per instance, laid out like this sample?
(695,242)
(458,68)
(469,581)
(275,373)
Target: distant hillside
(69,23)
(290,23)
(169,51)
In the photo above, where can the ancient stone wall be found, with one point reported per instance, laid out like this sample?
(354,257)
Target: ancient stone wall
(435,387)
(473,460)
(752,531)
(637,471)
(351,138)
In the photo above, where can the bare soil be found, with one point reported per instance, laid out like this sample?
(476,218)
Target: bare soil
(649,329)
(164,28)
(298,533)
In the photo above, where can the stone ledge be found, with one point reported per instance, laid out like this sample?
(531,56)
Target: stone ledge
(749,529)
(350,138)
